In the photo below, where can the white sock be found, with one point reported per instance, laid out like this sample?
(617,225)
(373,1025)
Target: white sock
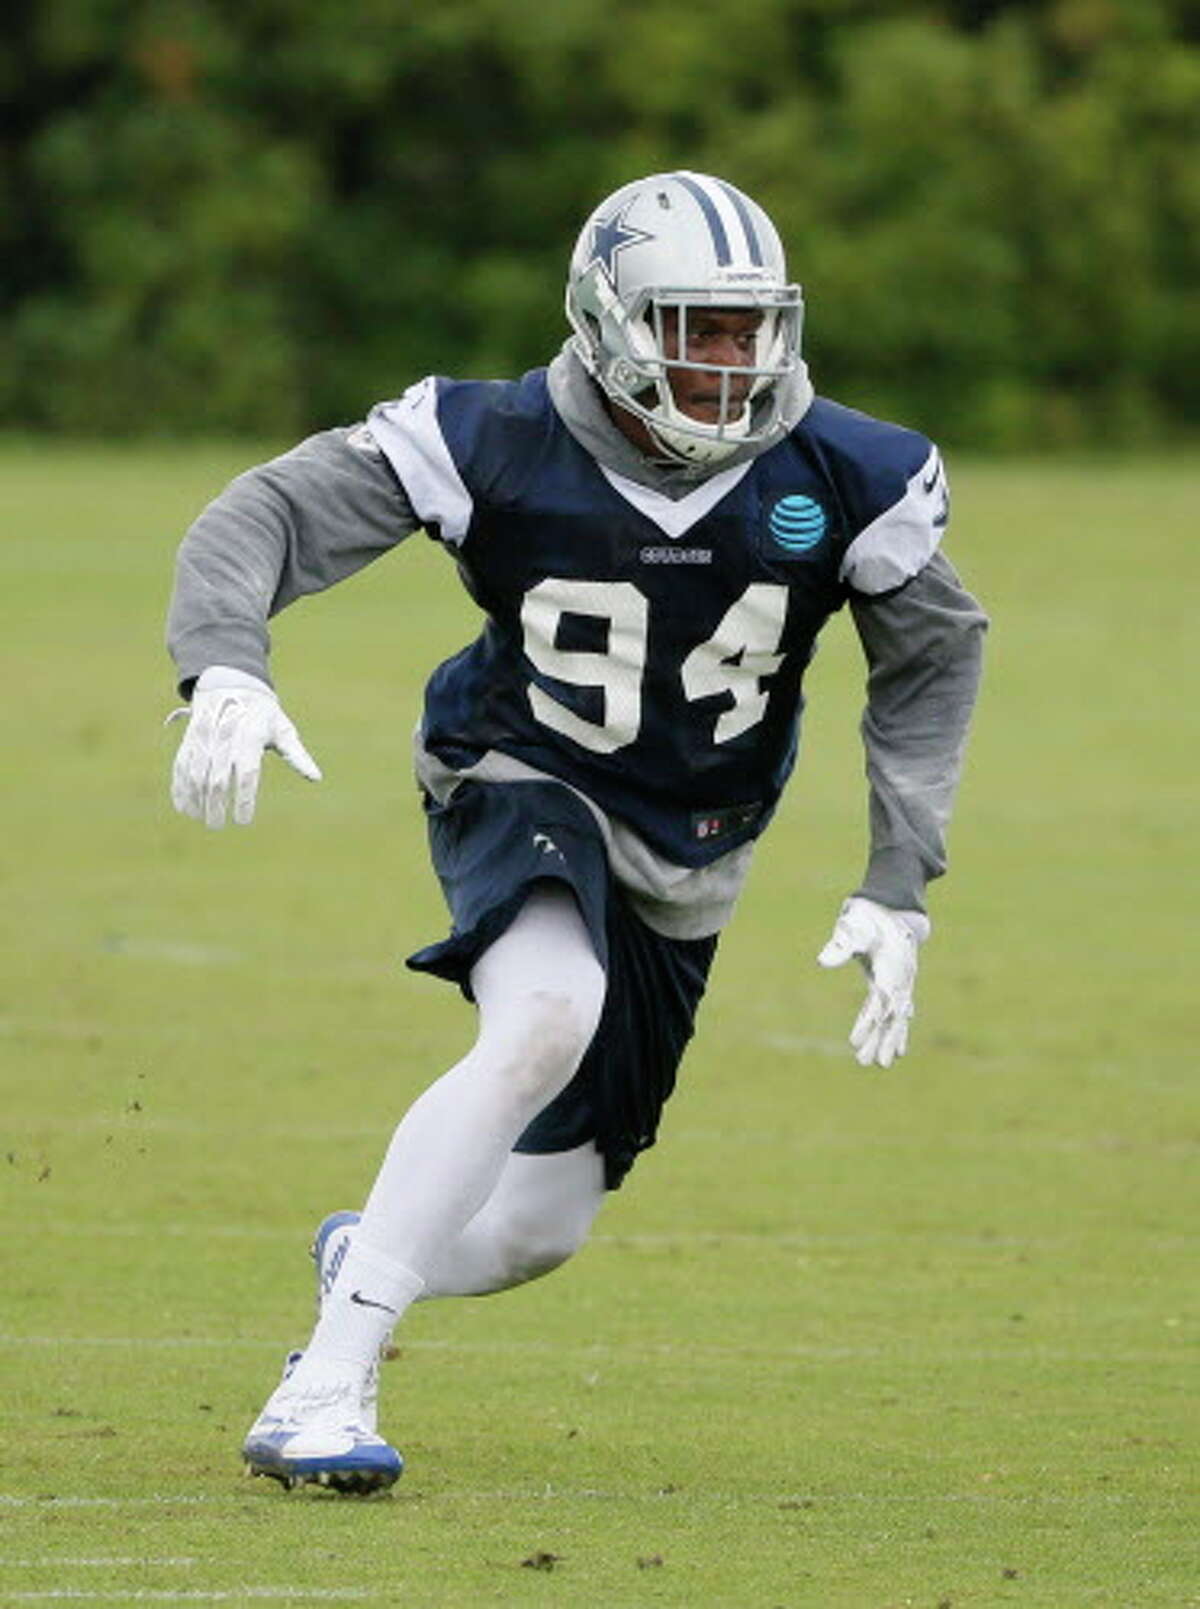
(358,1315)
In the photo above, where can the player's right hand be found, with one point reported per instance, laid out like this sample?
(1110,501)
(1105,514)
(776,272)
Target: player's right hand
(234,718)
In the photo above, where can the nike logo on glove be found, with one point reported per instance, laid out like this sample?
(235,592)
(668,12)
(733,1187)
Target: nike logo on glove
(360,1300)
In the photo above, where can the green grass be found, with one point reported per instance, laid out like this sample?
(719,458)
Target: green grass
(928,1338)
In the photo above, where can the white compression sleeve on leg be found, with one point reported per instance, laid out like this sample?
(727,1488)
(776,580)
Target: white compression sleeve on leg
(540,990)
(538,1215)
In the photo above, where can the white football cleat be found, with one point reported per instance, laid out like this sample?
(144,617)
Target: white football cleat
(314,1435)
(325,1436)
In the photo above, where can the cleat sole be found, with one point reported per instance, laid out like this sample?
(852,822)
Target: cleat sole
(350,1482)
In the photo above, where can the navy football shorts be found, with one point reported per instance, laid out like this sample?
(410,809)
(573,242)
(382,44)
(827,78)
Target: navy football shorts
(490,843)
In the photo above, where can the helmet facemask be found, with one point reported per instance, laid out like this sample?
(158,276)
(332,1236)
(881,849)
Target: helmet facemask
(631,326)
(748,407)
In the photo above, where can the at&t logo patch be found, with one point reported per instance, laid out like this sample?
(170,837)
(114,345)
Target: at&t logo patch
(797,523)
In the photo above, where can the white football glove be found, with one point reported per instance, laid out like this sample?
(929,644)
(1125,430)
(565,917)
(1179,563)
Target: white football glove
(885,943)
(233,718)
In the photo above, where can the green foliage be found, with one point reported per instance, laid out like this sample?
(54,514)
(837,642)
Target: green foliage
(261,217)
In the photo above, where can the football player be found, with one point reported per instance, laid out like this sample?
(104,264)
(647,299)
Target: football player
(655,527)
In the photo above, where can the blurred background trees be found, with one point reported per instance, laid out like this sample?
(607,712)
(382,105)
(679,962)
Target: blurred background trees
(259,216)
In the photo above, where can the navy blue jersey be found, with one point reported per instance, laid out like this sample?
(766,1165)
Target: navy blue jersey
(649,651)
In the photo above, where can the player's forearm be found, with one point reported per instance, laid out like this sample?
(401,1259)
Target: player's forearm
(924,648)
(288,528)
(226,577)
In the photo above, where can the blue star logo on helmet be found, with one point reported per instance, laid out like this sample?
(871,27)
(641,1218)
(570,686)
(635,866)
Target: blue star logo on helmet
(613,235)
(797,523)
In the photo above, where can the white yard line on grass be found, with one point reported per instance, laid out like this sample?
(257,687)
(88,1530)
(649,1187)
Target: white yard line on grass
(651,1351)
(198,1595)
(8,1500)
(990,1497)
(163,1342)
(650,1240)
(52,1562)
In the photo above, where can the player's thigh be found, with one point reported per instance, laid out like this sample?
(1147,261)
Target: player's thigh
(617,1096)
(540,986)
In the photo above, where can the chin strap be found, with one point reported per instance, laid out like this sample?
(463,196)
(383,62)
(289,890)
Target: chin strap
(678,438)
(678,441)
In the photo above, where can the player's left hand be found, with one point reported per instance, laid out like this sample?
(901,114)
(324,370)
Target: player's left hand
(885,943)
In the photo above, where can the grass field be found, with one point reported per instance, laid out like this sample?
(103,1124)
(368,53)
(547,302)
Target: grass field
(921,1338)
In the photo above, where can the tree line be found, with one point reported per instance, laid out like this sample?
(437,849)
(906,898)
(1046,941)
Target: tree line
(259,217)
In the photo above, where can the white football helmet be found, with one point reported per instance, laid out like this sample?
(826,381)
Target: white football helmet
(683,240)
